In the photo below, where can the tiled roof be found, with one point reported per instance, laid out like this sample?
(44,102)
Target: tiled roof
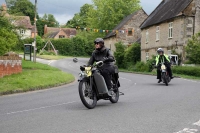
(53,31)
(166,10)
(121,24)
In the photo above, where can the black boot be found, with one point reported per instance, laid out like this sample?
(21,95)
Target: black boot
(159,80)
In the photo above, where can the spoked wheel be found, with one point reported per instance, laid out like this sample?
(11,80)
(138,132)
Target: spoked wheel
(115,95)
(165,77)
(88,96)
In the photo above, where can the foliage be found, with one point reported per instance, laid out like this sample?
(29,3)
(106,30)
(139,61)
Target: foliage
(22,8)
(106,14)
(132,54)
(193,49)
(187,70)
(79,19)
(8,37)
(119,54)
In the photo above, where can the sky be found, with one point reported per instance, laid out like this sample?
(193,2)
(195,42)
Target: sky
(64,10)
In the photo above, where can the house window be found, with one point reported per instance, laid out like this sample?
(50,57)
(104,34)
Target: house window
(130,31)
(147,36)
(147,56)
(22,31)
(61,36)
(157,33)
(171,30)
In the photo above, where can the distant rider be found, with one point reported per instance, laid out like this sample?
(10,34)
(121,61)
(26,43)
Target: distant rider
(162,58)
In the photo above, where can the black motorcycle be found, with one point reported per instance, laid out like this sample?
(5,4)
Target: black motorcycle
(92,86)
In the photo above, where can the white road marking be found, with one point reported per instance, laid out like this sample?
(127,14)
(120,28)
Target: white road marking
(44,107)
(197,123)
(125,79)
(187,130)
(50,62)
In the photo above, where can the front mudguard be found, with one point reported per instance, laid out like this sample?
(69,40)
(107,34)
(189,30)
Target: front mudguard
(83,78)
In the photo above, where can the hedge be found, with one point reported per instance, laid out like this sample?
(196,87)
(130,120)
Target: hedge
(187,70)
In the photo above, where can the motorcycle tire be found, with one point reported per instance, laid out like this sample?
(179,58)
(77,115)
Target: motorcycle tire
(115,97)
(84,95)
(165,79)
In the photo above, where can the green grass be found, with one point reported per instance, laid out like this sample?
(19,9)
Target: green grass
(154,73)
(52,57)
(35,76)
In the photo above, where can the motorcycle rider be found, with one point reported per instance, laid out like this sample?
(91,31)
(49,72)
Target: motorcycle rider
(161,57)
(101,53)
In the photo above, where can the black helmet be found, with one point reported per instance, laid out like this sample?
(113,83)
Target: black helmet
(160,50)
(99,40)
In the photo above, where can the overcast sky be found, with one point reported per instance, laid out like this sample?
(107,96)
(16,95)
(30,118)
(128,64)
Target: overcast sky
(63,10)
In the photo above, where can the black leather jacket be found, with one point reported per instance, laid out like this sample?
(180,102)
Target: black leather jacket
(99,55)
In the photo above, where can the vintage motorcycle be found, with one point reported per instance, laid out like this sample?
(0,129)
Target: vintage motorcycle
(164,74)
(92,86)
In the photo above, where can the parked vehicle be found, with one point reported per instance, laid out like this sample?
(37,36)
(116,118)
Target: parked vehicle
(92,86)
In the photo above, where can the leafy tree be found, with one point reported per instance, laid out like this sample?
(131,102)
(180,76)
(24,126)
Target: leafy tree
(80,19)
(106,14)
(193,49)
(22,8)
(132,54)
(119,54)
(8,38)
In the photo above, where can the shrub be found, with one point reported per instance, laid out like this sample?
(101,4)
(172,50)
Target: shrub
(119,54)
(187,70)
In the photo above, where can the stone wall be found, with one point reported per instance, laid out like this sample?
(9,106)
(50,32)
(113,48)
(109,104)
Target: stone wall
(10,64)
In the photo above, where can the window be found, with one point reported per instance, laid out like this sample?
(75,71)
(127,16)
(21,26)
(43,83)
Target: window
(61,36)
(171,30)
(157,33)
(147,56)
(22,31)
(147,36)
(130,32)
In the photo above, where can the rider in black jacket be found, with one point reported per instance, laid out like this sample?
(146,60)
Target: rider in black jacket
(101,53)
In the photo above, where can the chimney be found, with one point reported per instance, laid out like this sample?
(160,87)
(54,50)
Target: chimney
(4,7)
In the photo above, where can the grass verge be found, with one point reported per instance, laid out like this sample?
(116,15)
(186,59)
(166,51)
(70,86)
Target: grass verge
(154,74)
(35,76)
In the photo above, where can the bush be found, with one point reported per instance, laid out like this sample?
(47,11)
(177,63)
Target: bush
(119,54)
(186,70)
(132,54)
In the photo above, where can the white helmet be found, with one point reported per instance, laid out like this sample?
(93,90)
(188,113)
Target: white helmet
(160,50)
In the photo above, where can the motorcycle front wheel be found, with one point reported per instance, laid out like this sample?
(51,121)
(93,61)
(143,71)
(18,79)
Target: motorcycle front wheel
(88,96)
(165,79)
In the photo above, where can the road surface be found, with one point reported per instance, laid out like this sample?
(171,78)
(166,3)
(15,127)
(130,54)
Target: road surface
(146,107)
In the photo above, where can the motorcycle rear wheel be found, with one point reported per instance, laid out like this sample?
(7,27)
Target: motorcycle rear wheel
(88,98)
(115,97)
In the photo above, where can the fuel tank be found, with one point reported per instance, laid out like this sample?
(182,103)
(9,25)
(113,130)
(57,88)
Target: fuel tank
(100,83)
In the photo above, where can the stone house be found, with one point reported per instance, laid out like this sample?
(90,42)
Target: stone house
(56,33)
(170,26)
(127,31)
(23,25)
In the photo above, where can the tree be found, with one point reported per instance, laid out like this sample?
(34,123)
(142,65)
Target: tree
(132,54)
(106,14)
(193,49)
(22,8)
(8,39)
(80,19)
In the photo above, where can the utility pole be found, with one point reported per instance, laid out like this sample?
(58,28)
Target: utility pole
(35,48)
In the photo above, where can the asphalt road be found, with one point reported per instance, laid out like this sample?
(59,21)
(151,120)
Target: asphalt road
(146,107)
